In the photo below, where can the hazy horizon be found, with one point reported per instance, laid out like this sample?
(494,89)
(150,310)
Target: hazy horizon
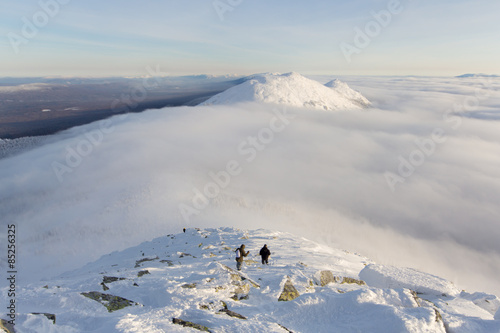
(307,74)
(393,37)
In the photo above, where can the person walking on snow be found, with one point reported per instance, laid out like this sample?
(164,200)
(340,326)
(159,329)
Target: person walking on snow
(240,253)
(265,253)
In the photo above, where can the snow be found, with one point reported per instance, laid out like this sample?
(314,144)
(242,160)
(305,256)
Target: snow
(485,301)
(321,177)
(383,276)
(292,89)
(32,323)
(200,257)
(343,89)
(353,312)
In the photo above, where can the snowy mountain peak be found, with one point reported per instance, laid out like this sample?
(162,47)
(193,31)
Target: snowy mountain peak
(345,90)
(291,89)
(190,279)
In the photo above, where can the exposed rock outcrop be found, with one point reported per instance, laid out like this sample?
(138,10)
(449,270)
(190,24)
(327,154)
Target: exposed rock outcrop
(349,280)
(189,285)
(169,262)
(5,327)
(140,261)
(109,279)
(143,272)
(49,316)
(241,283)
(286,329)
(110,302)
(221,307)
(289,292)
(241,291)
(323,278)
(185,323)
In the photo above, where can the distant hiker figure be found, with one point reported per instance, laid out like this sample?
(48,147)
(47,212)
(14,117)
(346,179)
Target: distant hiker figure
(265,253)
(240,253)
(184,229)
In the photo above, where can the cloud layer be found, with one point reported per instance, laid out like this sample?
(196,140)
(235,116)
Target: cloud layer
(413,181)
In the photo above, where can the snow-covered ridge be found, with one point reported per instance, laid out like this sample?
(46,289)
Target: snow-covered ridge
(307,287)
(292,89)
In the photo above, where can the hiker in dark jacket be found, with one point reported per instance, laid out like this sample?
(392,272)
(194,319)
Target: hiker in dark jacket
(240,253)
(265,253)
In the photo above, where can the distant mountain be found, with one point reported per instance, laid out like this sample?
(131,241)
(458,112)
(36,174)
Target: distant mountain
(476,75)
(291,89)
(345,90)
(46,105)
(189,280)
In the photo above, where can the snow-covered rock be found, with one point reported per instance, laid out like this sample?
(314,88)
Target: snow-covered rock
(382,276)
(490,303)
(191,281)
(351,94)
(292,89)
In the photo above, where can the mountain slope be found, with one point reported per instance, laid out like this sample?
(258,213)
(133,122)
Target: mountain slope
(190,277)
(291,89)
(353,95)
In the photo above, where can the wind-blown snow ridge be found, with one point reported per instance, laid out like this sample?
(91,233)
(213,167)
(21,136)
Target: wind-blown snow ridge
(292,89)
(190,276)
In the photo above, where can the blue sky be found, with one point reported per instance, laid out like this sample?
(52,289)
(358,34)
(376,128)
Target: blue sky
(91,38)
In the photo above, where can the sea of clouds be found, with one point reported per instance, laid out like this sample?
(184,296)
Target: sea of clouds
(412,181)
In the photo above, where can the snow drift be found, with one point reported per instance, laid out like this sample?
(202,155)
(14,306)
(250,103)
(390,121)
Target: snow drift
(383,276)
(292,89)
